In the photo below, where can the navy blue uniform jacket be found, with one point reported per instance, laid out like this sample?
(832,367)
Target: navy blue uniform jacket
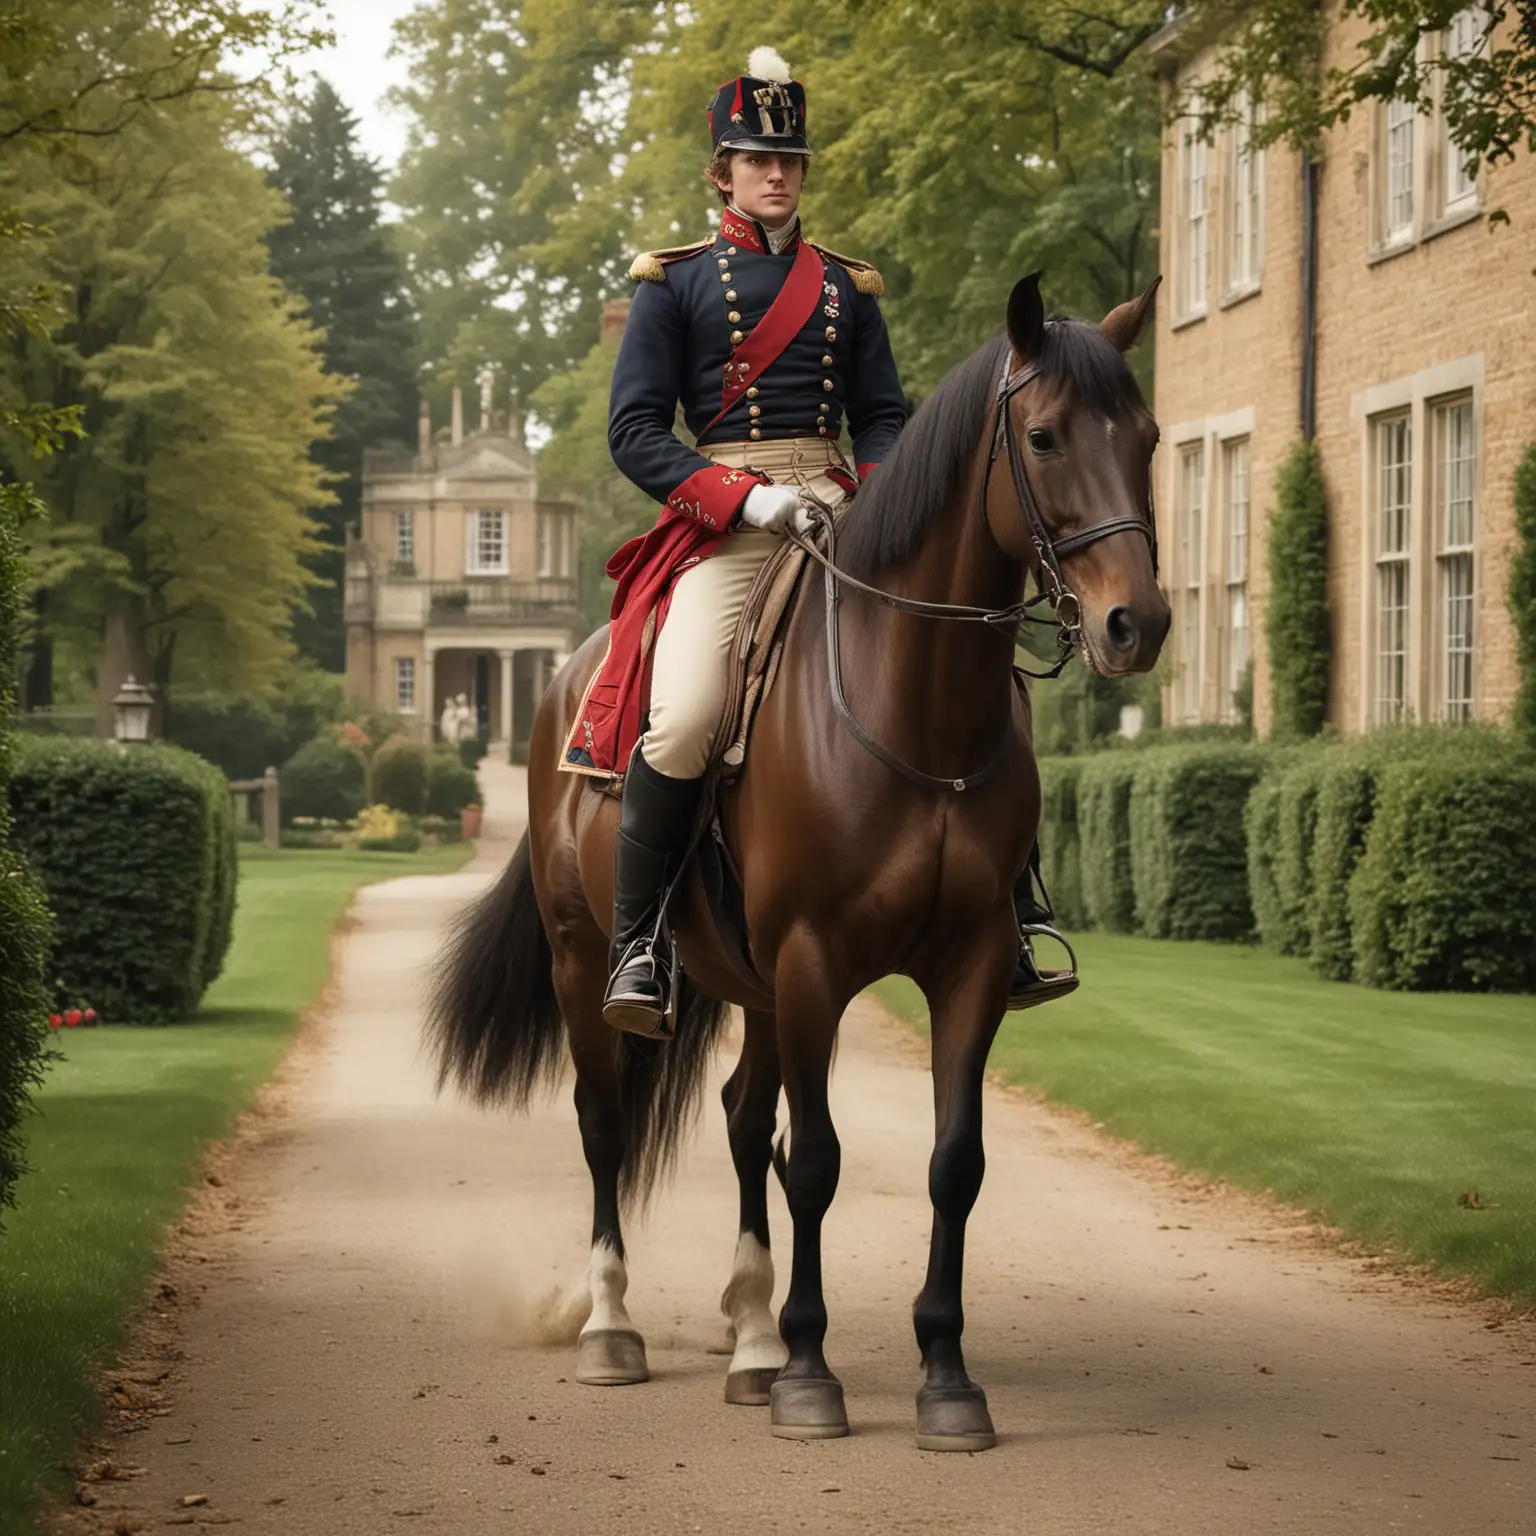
(692,309)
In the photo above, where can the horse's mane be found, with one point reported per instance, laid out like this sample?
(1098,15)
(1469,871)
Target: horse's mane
(895,508)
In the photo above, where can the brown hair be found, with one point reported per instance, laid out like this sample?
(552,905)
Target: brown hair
(719,169)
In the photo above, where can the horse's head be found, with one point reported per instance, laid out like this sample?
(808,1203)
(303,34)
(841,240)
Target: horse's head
(1081,443)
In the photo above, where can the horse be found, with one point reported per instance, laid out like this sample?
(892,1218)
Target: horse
(886,808)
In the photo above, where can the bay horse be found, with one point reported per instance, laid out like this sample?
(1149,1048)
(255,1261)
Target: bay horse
(885,811)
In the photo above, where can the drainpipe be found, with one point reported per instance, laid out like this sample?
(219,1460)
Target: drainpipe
(1309,175)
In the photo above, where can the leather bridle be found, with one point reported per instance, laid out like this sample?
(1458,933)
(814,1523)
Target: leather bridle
(1051,584)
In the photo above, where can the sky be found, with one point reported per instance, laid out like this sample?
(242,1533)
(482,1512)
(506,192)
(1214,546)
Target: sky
(361,71)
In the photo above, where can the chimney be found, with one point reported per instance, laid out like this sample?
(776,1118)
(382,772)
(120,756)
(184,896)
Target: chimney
(615,315)
(487,385)
(458,415)
(424,428)
(514,418)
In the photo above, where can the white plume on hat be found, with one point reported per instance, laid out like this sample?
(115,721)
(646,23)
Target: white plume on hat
(768,64)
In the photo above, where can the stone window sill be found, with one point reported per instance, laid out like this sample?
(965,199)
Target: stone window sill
(1185,321)
(1236,296)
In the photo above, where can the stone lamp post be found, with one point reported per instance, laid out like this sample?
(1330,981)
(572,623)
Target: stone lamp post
(131,710)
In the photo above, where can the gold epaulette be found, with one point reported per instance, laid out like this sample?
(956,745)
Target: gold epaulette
(651,266)
(864,276)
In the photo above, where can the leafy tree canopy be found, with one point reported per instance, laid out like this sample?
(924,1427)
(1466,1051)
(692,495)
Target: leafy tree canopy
(335,253)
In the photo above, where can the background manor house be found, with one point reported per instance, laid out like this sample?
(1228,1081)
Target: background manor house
(1370,300)
(460,580)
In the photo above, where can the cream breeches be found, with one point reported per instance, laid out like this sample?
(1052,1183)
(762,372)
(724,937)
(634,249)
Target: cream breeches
(688,676)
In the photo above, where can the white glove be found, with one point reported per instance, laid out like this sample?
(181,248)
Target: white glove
(775,508)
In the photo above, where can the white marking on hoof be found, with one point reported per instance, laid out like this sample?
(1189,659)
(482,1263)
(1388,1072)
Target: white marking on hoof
(746,1301)
(607,1280)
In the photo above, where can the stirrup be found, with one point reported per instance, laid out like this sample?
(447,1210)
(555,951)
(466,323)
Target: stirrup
(1033,985)
(644,1005)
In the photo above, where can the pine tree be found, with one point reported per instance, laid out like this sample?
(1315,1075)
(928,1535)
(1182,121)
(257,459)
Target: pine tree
(338,257)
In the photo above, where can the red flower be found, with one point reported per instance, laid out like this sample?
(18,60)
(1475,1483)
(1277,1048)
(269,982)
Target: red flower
(72,1017)
(55,1020)
(90,1015)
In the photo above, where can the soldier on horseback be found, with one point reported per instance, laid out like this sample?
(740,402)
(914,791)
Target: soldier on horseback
(772,344)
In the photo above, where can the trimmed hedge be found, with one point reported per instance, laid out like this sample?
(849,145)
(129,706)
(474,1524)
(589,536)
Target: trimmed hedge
(136,852)
(325,779)
(1189,868)
(450,784)
(1061,864)
(399,776)
(25,928)
(1261,827)
(1295,835)
(1444,892)
(1104,833)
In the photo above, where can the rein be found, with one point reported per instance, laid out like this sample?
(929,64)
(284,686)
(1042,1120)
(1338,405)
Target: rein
(1051,587)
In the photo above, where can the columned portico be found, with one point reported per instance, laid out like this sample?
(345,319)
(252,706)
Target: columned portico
(506,673)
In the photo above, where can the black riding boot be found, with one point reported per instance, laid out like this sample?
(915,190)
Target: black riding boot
(655,822)
(1030,983)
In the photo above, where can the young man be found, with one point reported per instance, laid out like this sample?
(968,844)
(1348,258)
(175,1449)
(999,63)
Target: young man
(770,344)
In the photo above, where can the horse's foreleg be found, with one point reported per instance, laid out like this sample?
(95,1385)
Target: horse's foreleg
(610,1351)
(807,1399)
(966,1011)
(751,1098)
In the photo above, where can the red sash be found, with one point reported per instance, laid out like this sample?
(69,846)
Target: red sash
(786,315)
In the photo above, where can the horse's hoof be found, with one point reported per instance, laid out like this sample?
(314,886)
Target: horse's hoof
(807,1408)
(954,1419)
(751,1388)
(611,1357)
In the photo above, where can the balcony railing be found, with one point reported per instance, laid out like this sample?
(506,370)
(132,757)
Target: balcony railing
(406,603)
(477,600)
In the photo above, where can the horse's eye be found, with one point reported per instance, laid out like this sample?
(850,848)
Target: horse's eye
(1041,441)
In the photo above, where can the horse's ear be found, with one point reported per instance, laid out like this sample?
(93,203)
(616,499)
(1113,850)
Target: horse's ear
(1026,316)
(1124,323)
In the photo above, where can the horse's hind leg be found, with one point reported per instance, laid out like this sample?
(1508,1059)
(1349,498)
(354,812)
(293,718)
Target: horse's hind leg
(751,1098)
(951,1409)
(610,1351)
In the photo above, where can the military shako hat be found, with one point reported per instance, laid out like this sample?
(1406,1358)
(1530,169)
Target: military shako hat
(763,109)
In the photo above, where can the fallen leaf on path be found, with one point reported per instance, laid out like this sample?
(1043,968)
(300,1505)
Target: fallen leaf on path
(125,1525)
(181,1519)
(85,1495)
(192,1500)
(1265,1370)
(537,1471)
(1237,1464)
(1328,1434)
(1497,1457)
(831,1488)
(178,1439)
(503,1460)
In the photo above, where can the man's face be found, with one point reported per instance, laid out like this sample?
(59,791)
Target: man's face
(766,186)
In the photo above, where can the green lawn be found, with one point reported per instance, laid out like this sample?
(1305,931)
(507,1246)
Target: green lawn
(1375,1110)
(116,1142)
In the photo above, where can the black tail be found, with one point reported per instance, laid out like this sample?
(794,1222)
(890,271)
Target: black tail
(494,1021)
(495,1028)
(660,1084)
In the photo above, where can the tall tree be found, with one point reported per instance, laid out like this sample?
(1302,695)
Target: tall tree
(337,255)
(507,181)
(178,525)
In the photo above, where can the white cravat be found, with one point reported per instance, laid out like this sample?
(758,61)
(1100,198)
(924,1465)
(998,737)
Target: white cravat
(778,239)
